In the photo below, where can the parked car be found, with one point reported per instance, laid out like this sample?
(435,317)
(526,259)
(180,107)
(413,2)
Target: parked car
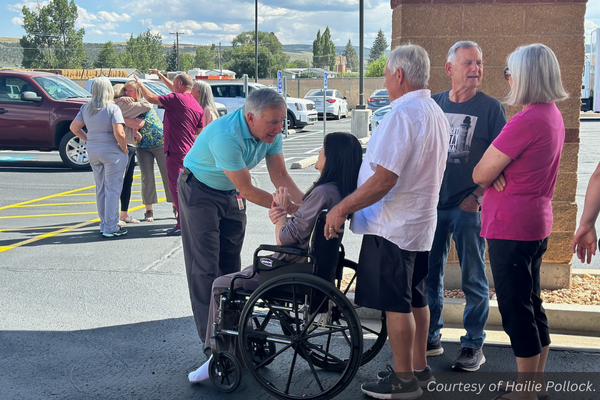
(300,112)
(156,87)
(378,99)
(36,110)
(336,104)
(378,116)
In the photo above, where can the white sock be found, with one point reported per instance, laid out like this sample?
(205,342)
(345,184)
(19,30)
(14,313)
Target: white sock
(201,374)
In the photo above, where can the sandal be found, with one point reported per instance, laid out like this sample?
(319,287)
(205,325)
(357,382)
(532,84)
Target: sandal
(130,220)
(149,216)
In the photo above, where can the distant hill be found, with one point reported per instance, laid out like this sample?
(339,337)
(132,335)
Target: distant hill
(11,53)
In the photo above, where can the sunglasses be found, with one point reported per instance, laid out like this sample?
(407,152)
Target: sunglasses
(506,73)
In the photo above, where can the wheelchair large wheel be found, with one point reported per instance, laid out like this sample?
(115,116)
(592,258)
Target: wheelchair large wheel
(374,329)
(225,372)
(287,309)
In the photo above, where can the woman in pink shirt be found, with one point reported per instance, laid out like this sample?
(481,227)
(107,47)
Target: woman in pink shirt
(519,172)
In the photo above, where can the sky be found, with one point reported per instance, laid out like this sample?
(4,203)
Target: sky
(204,22)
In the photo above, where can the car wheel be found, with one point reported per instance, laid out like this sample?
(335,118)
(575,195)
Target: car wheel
(291,120)
(73,152)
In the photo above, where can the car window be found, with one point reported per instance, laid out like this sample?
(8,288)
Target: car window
(380,93)
(158,88)
(59,88)
(11,89)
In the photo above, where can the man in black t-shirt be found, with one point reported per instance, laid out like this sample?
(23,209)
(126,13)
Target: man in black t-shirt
(475,120)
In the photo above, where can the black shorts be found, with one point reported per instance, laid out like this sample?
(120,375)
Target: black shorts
(389,278)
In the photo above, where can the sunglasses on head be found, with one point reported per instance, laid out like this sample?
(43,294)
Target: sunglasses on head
(506,73)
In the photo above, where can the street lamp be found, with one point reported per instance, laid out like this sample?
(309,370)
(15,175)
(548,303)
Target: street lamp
(255,40)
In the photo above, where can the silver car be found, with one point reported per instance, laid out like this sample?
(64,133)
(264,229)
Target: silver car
(378,116)
(335,103)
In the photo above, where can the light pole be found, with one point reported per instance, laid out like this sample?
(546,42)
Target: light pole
(177,46)
(255,40)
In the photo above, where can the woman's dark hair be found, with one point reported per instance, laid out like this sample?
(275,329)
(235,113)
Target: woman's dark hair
(343,156)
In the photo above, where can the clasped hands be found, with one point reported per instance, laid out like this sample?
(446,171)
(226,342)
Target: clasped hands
(281,205)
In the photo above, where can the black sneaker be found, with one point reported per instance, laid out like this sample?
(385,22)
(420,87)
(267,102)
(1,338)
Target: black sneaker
(434,349)
(174,232)
(469,359)
(392,387)
(120,232)
(424,377)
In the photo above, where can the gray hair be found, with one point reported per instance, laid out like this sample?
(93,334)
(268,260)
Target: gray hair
(185,79)
(262,99)
(414,62)
(206,99)
(535,75)
(102,95)
(463,44)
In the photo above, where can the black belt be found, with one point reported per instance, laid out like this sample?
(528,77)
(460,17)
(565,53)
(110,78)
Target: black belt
(187,175)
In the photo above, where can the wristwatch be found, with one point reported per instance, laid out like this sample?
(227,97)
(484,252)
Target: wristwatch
(479,198)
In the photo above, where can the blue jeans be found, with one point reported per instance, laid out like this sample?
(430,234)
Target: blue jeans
(465,227)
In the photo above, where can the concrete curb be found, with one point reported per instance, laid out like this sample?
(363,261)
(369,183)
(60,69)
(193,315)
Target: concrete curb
(305,162)
(571,318)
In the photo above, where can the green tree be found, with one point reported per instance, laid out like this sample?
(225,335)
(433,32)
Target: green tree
(377,68)
(242,61)
(351,57)
(271,57)
(186,61)
(379,46)
(107,57)
(144,51)
(171,59)
(51,40)
(324,50)
(206,57)
(298,64)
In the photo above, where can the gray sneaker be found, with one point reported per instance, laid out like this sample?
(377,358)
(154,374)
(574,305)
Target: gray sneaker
(434,349)
(469,359)
(392,387)
(424,377)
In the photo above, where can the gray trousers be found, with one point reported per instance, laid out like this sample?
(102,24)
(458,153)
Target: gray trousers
(108,164)
(212,233)
(146,159)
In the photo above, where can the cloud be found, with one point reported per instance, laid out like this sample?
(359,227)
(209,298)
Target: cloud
(113,17)
(32,5)
(17,21)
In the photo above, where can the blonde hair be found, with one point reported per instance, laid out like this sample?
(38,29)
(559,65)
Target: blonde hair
(205,98)
(535,76)
(136,87)
(102,95)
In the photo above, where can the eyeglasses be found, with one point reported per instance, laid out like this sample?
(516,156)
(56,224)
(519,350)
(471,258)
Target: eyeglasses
(506,73)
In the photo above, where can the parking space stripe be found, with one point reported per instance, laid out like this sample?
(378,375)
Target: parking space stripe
(46,197)
(57,204)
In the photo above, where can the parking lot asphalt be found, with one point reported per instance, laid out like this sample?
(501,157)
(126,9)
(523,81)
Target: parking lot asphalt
(85,318)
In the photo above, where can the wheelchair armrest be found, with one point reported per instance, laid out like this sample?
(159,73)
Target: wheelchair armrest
(281,249)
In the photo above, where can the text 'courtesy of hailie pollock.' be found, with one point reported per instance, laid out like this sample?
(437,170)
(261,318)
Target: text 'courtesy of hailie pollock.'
(579,389)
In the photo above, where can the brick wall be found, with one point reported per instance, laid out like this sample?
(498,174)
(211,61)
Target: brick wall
(499,27)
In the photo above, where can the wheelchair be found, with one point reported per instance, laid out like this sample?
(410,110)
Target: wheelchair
(297,334)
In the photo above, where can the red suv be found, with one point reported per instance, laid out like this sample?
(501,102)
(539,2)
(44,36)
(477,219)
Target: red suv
(36,109)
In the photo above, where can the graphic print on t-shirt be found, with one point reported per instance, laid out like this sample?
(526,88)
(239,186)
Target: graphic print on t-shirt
(462,127)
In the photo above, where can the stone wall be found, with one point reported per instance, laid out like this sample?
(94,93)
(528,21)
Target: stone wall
(499,27)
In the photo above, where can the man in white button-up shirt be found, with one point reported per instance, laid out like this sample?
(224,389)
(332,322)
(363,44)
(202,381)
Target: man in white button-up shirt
(395,209)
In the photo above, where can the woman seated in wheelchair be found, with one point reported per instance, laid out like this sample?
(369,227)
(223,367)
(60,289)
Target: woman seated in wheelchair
(338,164)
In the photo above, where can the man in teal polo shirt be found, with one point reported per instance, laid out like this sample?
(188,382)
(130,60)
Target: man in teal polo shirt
(215,185)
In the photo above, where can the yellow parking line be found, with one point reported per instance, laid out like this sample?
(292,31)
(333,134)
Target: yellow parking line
(34,228)
(45,198)
(57,204)
(47,215)
(77,194)
(47,235)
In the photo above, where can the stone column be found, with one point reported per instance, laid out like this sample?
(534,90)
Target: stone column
(499,27)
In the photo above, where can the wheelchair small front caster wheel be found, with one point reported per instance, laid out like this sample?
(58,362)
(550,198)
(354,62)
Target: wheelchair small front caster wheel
(262,351)
(225,372)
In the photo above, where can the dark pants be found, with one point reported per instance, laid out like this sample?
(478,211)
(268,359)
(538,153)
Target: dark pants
(128,179)
(390,278)
(174,167)
(212,232)
(516,270)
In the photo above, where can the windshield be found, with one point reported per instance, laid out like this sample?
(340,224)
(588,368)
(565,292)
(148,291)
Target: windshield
(380,93)
(319,93)
(59,88)
(158,88)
